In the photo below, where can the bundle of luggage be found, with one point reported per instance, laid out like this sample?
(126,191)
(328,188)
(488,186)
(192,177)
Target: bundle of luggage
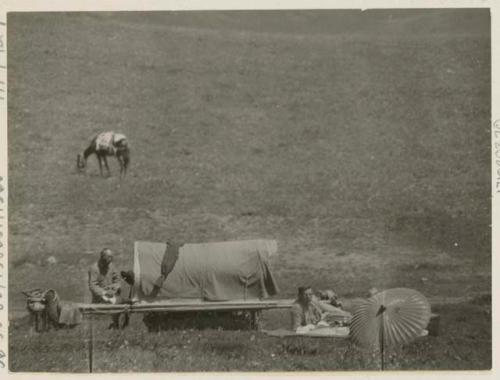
(44,308)
(47,311)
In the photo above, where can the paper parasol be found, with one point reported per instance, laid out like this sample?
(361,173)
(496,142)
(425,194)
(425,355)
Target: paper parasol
(392,317)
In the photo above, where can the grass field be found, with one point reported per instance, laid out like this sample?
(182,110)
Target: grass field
(464,343)
(360,141)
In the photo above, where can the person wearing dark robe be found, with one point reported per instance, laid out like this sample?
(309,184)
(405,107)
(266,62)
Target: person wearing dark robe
(104,282)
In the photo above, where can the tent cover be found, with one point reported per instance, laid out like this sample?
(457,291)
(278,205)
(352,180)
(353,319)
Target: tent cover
(236,270)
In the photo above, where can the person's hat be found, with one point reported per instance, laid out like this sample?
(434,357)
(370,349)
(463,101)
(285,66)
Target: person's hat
(128,276)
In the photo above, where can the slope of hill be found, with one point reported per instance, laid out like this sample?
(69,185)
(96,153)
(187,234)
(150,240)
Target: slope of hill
(360,141)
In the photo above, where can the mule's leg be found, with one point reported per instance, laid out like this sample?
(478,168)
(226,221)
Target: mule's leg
(120,162)
(100,163)
(123,167)
(106,164)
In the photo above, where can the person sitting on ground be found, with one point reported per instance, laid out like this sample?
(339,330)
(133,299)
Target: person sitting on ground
(104,282)
(305,311)
(104,279)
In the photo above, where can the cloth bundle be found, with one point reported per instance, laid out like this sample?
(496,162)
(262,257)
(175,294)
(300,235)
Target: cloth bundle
(58,314)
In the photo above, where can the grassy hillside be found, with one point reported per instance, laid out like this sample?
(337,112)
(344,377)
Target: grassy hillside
(464,343)
(360,141)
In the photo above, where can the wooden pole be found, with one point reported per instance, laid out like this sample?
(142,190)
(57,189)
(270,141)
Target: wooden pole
(91,345)
(382,341)
(380,313)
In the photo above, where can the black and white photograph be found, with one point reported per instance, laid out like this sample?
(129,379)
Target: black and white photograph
(254,190)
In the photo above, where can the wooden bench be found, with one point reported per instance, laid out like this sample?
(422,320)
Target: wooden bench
(255,307)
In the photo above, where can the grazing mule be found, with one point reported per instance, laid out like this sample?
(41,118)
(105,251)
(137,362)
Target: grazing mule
(107,144)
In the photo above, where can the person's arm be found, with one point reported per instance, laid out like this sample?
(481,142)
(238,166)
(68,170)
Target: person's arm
(317,312)
(296,314)
(332,310)
(94,286)
(115,279)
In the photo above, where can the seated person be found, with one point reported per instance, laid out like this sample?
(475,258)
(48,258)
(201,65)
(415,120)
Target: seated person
(305,310)
(104,279)
(104,282)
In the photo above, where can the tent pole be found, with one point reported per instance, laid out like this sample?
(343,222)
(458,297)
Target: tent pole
(382,341)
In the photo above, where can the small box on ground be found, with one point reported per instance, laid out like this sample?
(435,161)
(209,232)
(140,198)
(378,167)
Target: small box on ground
(433,326)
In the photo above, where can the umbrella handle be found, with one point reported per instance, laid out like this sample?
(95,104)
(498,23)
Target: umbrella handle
(382,342)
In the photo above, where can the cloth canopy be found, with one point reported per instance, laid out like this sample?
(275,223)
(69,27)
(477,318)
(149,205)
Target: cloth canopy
(210,271)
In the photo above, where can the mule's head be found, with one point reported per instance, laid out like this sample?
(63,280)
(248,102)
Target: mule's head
(80,162)
(126,157)
(123,155)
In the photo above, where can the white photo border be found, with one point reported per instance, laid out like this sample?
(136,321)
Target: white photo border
(151,5)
